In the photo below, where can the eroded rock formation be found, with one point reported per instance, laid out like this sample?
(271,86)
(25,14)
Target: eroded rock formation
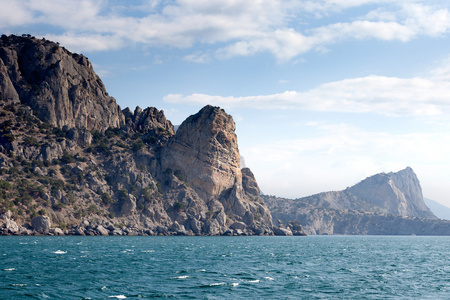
(61,87)
(69,155)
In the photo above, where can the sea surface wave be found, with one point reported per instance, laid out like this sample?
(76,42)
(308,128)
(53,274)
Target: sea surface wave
(313,267)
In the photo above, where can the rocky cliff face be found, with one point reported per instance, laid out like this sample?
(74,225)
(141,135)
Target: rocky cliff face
(380,204)
(71,162)
(205,154)
(398,193)
(61,87)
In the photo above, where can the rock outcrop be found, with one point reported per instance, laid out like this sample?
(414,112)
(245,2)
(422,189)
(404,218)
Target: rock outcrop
(41,224)
(204,154)
(398,193)
(389,203)
(61,87)
(70,155)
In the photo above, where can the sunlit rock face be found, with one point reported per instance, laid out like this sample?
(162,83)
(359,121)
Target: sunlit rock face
(398,193)
(205,151)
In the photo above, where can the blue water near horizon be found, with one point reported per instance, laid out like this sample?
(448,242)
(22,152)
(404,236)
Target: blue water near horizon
(313,267)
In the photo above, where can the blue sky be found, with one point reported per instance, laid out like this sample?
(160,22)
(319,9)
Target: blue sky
(324,92)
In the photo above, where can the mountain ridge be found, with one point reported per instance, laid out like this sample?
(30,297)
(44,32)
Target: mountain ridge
(72,162)
(348,212)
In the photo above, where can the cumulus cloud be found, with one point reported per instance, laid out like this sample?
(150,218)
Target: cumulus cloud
(13,13)
(237,28)
(419,96)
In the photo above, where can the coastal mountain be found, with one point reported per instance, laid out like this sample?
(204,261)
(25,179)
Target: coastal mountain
(398,194)
(439,210)
(73,162)
(386,203)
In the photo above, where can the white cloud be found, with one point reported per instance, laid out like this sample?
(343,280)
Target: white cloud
(239,27)
(198,58)
(78,43)
(427,96)
(14,13)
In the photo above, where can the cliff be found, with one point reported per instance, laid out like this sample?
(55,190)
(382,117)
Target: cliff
(73,162)
(398,193)
(389,203)
(61,87)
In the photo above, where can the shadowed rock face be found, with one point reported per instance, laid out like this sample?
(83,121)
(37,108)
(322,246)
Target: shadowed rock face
(60,86)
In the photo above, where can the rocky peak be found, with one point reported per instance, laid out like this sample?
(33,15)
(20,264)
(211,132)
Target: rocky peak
(68,152)
(397,193)
(205,152)
(149,120)
(61,87)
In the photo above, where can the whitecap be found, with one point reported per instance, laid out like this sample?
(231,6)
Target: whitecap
(254,281)
(103,288)
(234,284)
(180,277)
(201,270)
(60,252)
(148,251)
(18,284)
(118,296)
(218,283)
(10,269)
(268,278)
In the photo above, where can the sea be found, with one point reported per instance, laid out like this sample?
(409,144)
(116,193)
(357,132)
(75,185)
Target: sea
(258,267)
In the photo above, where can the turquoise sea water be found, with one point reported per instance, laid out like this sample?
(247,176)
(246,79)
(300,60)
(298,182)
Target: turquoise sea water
(313,267)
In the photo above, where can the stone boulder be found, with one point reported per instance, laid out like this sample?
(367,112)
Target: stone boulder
(41,224)
(282,231)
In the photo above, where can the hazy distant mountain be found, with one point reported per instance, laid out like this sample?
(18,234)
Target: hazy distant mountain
(386,203)
(397,193)
(441,211)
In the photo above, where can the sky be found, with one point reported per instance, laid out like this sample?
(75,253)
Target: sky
(324,93)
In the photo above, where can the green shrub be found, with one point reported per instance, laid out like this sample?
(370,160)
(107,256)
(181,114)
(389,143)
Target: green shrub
(67,158)
(31,141)
(136,146)
(178,206)
(106,198)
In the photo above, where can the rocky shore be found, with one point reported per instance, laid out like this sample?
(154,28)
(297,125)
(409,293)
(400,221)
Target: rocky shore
(73,162)
(42,225)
